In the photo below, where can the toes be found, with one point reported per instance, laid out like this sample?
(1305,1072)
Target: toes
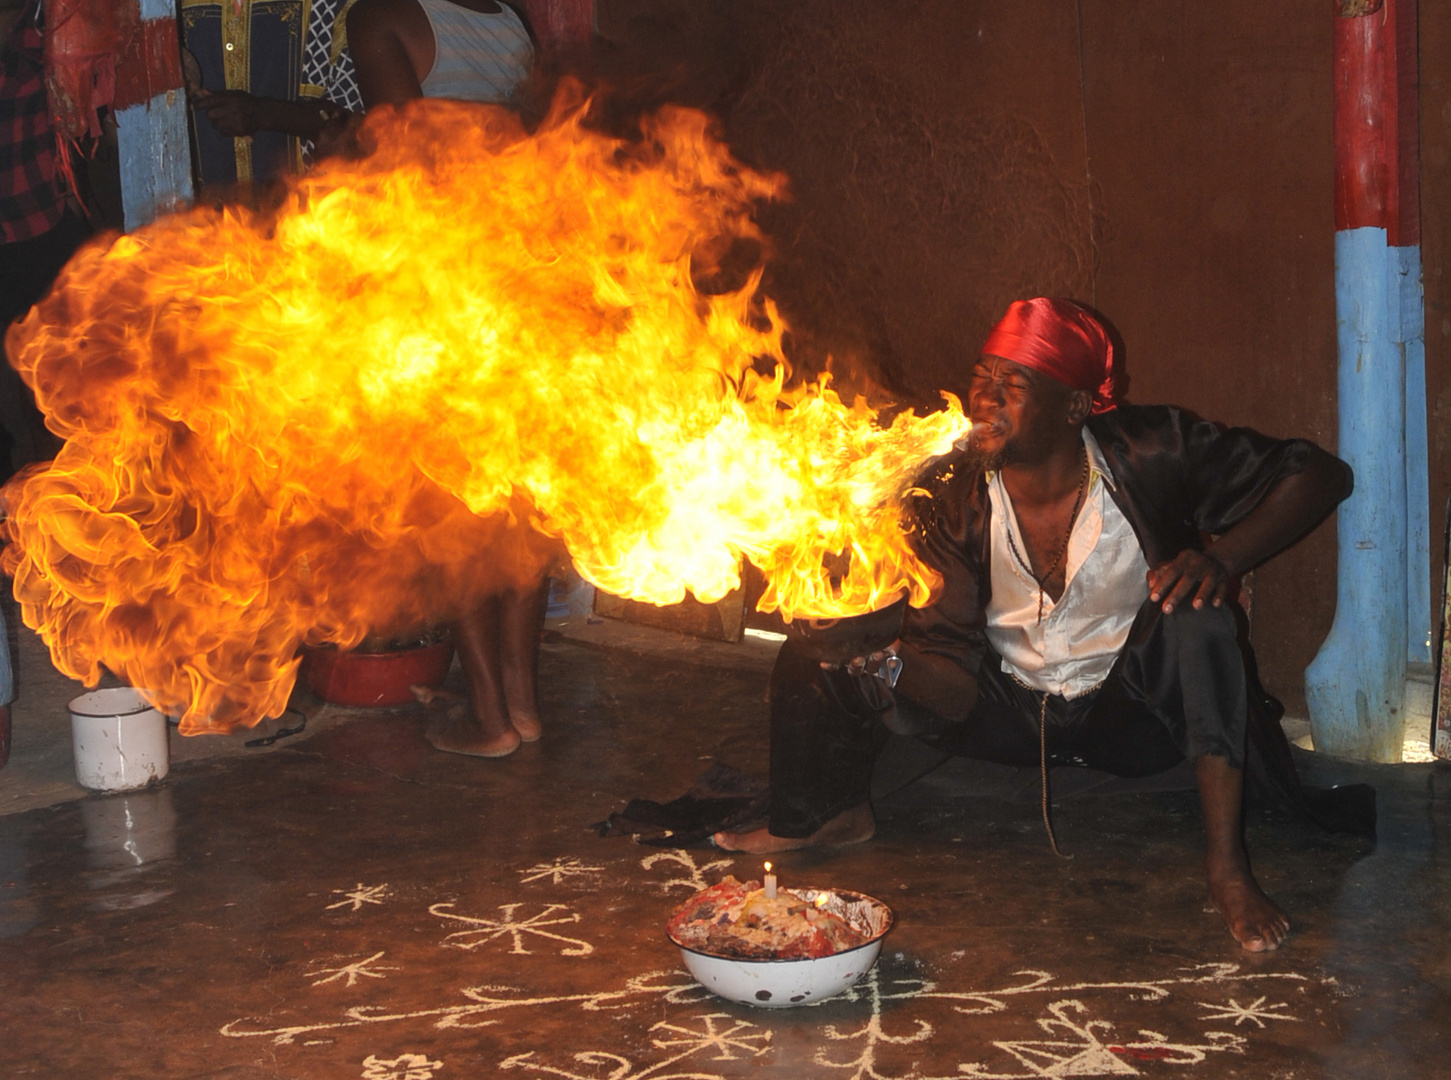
(1252,938)
(1263,937)
(1254,919)
(427,695)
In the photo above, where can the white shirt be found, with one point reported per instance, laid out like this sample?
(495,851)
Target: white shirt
(1071,651)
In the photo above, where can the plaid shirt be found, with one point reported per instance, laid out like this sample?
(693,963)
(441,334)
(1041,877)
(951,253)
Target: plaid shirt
(31,202)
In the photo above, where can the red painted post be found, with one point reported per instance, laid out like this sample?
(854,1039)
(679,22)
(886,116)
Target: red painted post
(1377,162)
(148,62)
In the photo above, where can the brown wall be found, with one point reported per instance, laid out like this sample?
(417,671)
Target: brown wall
(1436,261)
(1209,129)
(1168,162)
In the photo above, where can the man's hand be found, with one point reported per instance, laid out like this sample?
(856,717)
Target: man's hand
(1291,509)
(339,136)
(1195,574)
(235,113)
(858,664)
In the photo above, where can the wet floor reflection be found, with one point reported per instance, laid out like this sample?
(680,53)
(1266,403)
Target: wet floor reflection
(18,909)
(129,841)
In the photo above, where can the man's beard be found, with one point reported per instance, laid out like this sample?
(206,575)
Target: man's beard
(981,458)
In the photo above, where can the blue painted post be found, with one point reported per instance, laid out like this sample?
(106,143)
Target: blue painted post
(1412,338)
(151,128)
(1356,685)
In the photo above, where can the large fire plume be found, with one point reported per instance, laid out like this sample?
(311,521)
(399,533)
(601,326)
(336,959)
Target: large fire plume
(365,407)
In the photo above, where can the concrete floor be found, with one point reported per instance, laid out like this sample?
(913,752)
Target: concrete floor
(350,903)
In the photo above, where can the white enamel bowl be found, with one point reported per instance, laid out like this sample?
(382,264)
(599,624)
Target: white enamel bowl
(785,984)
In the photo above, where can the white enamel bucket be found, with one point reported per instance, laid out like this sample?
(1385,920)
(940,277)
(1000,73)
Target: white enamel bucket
(120,741)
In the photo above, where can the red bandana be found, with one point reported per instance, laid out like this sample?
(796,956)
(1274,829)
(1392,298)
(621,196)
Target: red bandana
(1060,339)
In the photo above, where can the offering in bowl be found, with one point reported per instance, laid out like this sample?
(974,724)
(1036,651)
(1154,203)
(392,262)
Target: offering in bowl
(838,641)
(805,946)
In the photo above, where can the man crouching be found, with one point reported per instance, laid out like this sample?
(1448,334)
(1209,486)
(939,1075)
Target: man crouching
(1085,549)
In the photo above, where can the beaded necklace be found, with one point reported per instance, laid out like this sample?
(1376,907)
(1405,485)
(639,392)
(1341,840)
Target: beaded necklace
(1062,548)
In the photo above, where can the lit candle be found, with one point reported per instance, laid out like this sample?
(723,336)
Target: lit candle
(770,883)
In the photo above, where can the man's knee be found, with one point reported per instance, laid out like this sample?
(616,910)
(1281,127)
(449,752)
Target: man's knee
(1207,641)
(1186,635)
(1212,680)
(1208,622)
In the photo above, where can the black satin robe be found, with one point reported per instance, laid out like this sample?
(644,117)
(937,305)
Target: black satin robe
(1177,478)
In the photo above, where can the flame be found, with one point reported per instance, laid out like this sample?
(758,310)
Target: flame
(822,899)
(379,399)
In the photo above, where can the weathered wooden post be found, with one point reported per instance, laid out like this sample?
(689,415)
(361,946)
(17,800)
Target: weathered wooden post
(151,129)
(1356,685)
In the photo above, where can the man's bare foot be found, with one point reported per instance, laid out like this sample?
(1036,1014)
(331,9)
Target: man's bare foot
(526,724)
(455,732)
(451,729)
(848,827)
(1254,919)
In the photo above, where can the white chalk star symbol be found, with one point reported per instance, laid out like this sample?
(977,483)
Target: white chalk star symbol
(352,972)
(359,895)
(696,881)
(486,930)
(725,1039)
(1256,1012)
(407,1067)
(557,871)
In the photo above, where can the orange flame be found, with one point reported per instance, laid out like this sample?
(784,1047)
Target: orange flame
(305,425)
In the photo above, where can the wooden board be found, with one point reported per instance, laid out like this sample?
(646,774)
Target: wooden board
(724,620)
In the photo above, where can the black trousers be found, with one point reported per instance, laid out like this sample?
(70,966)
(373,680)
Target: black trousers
(1178,689)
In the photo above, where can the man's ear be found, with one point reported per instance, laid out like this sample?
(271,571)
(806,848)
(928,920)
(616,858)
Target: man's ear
(1080,404)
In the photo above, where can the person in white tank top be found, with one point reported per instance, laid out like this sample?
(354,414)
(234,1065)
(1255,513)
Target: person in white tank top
(472,50)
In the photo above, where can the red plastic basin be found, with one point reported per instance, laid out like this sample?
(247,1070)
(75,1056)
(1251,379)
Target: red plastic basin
(353,678)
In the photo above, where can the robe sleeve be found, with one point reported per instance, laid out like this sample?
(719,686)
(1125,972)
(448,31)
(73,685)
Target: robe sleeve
(1179,476)
(1231,470)
(943,643)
